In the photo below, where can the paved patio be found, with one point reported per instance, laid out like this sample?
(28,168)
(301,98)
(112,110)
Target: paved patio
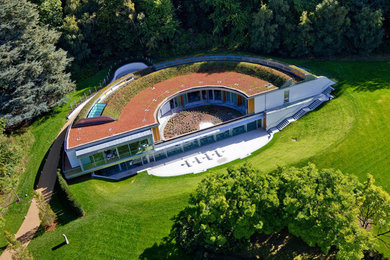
(212,155)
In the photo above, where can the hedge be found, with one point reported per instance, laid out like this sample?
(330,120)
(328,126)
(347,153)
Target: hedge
(67,196)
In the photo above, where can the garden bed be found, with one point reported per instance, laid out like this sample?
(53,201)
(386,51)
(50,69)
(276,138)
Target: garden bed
(194,119)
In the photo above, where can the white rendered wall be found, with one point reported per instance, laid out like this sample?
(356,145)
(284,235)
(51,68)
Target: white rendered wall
(309,88)
(277,116)
(74,162)
(300,91)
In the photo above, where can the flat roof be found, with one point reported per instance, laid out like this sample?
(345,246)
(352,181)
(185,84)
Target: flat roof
(140,111)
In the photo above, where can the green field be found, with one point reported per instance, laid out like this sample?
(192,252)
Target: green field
(129,219)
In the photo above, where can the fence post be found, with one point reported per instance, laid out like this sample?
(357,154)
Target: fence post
(85,95)
(80,99)
(70,106)
(75,104)
(90,91)
(95,89)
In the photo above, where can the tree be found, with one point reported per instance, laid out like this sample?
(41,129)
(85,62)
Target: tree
(321,206)
(33,78)
(50,12)
(330,23)
(305,37)
(46,214)
(286,30)
(367,30)
(227,210)
(322,209)
(157,24)
(263,31)
(374,211)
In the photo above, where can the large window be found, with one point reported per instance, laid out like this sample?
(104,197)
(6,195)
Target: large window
(159,156)
(217,95)
(207,140)
(124,151)
(175,150)
(190,145)
(251,126)
(110,155)
(228,97)
(238,130)
(234,98)
(210,94)
(204,95)
(223,135)
(99,159)
(87,162)
(193,97)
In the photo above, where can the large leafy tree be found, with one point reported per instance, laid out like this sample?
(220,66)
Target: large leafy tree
(227,209)
(367,29)
(330,23)
(323,207)
(33,78)
(374,210)
(263,31)
(157,24)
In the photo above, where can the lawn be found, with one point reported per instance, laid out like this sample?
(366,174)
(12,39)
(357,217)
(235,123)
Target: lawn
(129,219)
(42,134)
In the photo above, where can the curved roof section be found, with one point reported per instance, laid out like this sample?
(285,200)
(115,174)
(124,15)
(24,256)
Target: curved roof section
(140,111)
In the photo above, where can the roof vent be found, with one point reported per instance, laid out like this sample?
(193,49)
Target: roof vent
(110,129)
(146,109)
(144,120)
(153,88)
(154,100)
(235,84)
(219,82)
(78,138)
(200,82)
(183,85)
(268,85)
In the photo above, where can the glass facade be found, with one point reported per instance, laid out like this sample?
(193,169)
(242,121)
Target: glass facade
(217,95)
(193,97)
(238,130)
(114,154)
(190,145)
(223,135)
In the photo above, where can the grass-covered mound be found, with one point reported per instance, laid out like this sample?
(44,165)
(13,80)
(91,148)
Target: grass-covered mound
(130,218)
(117,101)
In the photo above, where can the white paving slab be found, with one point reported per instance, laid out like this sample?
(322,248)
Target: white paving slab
(212,155)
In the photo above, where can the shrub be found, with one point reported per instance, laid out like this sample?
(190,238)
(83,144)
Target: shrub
(68,197)
(46,214)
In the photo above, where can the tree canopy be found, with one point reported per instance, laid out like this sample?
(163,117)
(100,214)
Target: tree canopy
(32,68)
(111,29)
(323,207)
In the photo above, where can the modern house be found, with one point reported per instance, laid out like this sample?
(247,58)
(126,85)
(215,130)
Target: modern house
(104,146)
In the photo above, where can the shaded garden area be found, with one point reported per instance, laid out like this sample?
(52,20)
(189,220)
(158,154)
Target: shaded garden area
(197,118)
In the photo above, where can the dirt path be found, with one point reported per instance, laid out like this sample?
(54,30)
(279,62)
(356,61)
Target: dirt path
(45,187)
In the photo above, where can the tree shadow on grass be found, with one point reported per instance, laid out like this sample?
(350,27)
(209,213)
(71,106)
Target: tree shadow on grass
(165,250)
(277,246)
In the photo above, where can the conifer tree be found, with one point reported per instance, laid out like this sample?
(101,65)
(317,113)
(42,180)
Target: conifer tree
(33,79)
